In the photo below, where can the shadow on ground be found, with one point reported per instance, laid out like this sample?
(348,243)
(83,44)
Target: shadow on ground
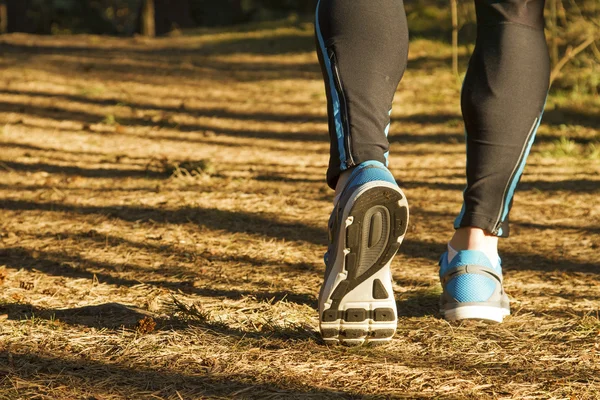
(204,380)
(117,317)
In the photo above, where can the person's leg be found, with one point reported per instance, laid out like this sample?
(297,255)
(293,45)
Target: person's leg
(502,101)
(362,47)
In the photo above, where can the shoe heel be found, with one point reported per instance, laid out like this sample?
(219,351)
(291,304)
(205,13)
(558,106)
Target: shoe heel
(483,313)
(361,308)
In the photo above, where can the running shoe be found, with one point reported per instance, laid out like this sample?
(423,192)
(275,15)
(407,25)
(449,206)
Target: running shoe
(472,288)
(366,227)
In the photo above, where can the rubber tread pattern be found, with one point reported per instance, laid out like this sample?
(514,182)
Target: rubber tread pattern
(359,315)
(373,198)
(353,333)
(357,334)
(379,292)
(355,315)
(330,333)
(374,237)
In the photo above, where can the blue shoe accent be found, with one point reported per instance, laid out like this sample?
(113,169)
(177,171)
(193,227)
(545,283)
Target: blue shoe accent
(467,257)
(369,171)
(472,287)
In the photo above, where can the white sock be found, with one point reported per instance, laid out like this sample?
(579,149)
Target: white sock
(341,184)
(492,255)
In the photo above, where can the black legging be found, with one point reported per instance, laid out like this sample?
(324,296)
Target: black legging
(362,47)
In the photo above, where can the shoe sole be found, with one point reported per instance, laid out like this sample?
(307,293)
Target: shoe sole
(483,313)
(360,306)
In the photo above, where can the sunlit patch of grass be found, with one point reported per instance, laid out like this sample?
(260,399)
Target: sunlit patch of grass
(110,119)
(564,147)
(150,211)
(192,170)
(568,148)
(593,151)
(91,91)
(589,325)
(254,322)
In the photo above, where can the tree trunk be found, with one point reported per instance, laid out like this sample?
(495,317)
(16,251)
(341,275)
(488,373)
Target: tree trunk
(3,18)
(148,18)
(554,32)
(454,8)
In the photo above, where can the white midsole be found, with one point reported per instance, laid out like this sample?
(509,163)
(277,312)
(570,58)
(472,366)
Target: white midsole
(489,313)
(362,296)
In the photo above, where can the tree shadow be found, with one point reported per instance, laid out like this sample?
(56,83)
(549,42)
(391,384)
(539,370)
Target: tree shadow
(116,173)
(198,62)
(281,178)
(555,226)
(414,184)
(299,42)
(182,108)
(400,137)
(561,116)
(156,64)
(116,317)
(267,226)
(572,115)
(111,316)
(114,378)
(86,119)
(432,62)
(75,266)
(261,224)
(28,188)
(571,185)
(166,250)
(418,303)
(28,146)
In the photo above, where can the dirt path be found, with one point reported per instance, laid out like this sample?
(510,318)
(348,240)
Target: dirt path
(162,225)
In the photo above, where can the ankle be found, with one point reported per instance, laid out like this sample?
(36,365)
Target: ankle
(341,184)
(470,238)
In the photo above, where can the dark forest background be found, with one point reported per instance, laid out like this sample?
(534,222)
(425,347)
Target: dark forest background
(573,26)
(125,17)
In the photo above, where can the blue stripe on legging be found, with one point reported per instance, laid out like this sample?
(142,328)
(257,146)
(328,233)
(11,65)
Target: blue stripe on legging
(339,130)
(517,177)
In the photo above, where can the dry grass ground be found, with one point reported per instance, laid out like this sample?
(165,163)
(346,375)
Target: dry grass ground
(162,223)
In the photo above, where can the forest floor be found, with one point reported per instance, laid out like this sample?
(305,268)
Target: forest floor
(162,226)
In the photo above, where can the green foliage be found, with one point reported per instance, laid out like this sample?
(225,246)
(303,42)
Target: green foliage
(565,147)
(120,17)
(429,19)
(570,24)
(218,13)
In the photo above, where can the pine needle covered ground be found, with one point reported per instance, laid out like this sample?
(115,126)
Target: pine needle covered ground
(162,225)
